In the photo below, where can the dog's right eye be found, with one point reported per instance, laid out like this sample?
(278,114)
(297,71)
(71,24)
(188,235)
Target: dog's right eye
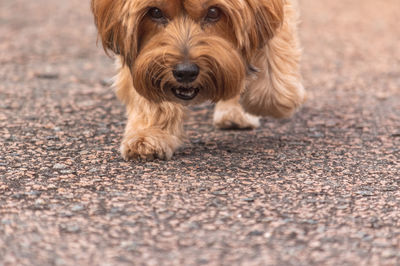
(157,15)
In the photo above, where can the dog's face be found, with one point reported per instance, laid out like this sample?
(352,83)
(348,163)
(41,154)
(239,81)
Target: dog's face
(187,50)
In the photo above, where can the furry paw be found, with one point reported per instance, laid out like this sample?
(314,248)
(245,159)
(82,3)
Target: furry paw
(234,117)
(280,104)
(149,144)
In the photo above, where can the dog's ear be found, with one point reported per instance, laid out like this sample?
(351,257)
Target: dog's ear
(113,22)
(265,18)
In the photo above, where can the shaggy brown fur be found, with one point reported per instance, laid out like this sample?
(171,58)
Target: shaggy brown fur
(246,51)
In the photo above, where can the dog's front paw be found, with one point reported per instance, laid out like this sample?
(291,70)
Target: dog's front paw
(149,144)
(232,116)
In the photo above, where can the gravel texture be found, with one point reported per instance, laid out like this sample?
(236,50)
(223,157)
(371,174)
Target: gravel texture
(321,188)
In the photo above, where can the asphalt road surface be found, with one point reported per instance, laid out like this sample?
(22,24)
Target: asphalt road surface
(321,188)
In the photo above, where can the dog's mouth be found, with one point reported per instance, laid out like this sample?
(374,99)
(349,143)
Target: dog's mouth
(185,93)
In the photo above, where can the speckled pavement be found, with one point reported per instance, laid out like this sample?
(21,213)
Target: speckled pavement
(321,188)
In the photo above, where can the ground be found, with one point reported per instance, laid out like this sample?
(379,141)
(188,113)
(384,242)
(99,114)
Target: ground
(321,188)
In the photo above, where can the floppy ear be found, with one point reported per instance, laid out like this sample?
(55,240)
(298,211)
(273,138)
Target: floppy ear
(265,18)
(114,21)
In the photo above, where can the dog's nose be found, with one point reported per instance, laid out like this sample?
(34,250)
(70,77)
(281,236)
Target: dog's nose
(186,72)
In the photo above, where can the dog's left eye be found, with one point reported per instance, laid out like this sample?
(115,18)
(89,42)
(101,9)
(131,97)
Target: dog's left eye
(213,14)
(157,15)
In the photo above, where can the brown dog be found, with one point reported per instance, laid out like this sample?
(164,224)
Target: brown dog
(241,54)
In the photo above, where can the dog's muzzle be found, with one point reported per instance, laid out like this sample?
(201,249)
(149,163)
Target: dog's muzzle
(185,93)
(186,73)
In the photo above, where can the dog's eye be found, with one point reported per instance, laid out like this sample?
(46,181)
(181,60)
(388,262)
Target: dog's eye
(213,14)
(157,15)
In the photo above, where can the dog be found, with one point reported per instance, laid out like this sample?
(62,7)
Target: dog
(243,55)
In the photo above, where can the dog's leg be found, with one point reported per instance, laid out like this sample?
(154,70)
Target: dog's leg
(153,130)
(277,89)
(230,115)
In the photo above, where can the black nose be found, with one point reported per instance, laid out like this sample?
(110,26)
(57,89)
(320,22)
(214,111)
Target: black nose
(186,72)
